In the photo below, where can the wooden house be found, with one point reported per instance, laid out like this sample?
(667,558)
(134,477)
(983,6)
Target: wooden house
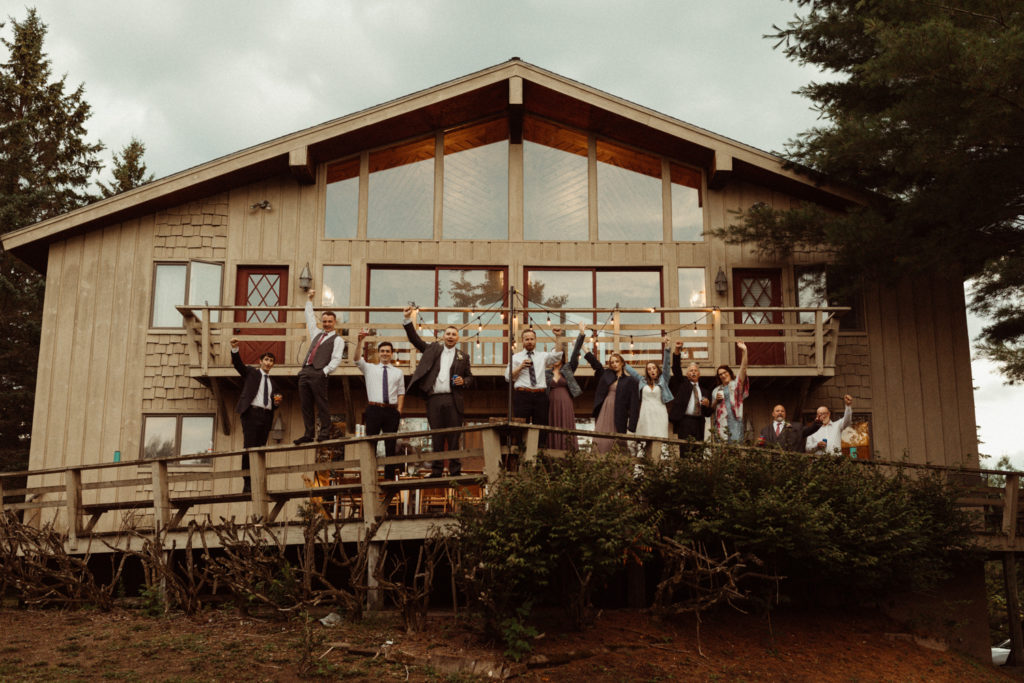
(510,191)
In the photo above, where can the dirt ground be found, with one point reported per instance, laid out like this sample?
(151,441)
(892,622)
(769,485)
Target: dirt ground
(623,645)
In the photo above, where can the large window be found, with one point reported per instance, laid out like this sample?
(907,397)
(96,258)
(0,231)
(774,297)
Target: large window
(476,182)
(629,204)
(482,289)
(548,290)
(693,294)
(169,435)
(554,183)
(341,212)
(402,192)
(335,289)
(196,282)
(818,286)
(687,207)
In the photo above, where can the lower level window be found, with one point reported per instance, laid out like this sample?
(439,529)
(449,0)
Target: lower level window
(169,435)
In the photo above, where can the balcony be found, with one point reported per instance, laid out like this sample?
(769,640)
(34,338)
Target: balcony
(784,342)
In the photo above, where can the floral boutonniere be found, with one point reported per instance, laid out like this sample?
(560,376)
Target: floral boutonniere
(460,355)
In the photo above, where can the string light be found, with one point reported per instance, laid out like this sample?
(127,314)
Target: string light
(479,327)
(630,342)
(549,319)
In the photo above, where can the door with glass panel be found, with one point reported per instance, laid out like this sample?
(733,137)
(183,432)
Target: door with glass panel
(261,286)
(760,288)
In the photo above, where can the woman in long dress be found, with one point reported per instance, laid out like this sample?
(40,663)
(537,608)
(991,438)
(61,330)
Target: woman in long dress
(727,399)
(616,400)
(654,395)
(562,389)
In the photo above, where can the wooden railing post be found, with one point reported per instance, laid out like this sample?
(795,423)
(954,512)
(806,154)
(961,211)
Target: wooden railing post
(161,495)
(373,508)
(492,454)
(716,337)
(1011,494)
(616,328)
(205,353)
(73,490)
(258,479)
(819,342)
(532,444)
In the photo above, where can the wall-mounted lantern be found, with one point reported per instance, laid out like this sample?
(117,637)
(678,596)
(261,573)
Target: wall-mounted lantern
(305,278)
(721,282)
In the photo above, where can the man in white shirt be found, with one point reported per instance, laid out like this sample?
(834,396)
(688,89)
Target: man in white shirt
(325,351)
(385,396)
(529,385)
(828,438)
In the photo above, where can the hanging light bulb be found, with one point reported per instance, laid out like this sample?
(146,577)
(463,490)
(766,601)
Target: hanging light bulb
(549,319)
(479,327)
(630,342)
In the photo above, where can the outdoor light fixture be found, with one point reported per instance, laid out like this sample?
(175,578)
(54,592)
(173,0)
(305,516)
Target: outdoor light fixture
(265,205)
(721,282)
(305,278)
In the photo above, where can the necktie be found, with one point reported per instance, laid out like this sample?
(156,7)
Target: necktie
(533,375)
(778,428)
(384,381)
(696,399)
(266,392)
(309,358)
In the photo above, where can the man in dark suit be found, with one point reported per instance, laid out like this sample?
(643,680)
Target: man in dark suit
(440,377)
(787,436)
(326,348)
(691,406)
(256,403)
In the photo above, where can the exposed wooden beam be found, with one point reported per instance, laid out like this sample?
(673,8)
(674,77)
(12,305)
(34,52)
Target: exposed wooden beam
(300,164)
(721,170)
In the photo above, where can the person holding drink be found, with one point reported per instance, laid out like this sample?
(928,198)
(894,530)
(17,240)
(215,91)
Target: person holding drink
(256,403)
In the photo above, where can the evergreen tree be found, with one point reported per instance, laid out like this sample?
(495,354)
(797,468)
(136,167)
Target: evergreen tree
(926,113)
(46,166)
(129,169)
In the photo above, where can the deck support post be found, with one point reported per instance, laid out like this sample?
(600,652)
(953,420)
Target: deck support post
(492,454)
(532,445)
(1013,609)
(73,490)
(161,496)
(258,479)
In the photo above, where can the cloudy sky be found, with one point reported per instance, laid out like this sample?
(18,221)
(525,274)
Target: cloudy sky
(198,79)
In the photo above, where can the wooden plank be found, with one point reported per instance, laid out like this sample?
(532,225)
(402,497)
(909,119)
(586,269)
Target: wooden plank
(532,445)
(300,164)
(927,298)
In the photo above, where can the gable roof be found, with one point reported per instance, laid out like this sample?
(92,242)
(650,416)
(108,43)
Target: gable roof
(509,88)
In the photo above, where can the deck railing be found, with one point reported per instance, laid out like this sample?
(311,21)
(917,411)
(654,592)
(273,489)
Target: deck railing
(803,344)
(991,497)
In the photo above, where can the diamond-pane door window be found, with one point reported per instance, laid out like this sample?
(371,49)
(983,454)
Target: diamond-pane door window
(263,289)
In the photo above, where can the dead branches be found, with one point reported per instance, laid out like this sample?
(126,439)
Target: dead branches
(35,564)
(412,593)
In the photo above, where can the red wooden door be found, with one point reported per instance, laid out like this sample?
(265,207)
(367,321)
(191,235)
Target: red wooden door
(261,286)
(760,288)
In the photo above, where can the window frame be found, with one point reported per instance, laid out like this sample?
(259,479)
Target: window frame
(215,317)
(179,419)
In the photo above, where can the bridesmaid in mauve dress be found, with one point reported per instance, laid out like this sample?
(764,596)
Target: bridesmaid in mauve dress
(616,400)
(562,388)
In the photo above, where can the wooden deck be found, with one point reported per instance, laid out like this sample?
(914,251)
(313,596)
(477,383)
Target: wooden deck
(351,488)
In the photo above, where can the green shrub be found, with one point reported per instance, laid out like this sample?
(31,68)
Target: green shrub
(828,525)
(555,529)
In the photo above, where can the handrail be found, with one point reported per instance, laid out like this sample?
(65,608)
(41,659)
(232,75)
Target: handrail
(359,455)
(708,332)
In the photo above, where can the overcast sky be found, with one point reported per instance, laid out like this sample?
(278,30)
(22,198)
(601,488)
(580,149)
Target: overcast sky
(195,80)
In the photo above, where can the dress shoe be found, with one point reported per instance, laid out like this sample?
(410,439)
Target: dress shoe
(303,439)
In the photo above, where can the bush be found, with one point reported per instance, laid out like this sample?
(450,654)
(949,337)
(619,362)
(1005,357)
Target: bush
(830,526)
(555,529)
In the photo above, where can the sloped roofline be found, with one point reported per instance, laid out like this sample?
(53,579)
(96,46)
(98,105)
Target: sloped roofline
(278,155)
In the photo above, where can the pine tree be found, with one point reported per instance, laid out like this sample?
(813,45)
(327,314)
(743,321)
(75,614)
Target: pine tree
(46,166)
(926,114)
(129,169)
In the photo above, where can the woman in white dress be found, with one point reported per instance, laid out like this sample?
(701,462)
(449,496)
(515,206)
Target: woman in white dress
(654,395)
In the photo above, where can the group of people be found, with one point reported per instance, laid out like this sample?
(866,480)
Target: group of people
(544,387)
